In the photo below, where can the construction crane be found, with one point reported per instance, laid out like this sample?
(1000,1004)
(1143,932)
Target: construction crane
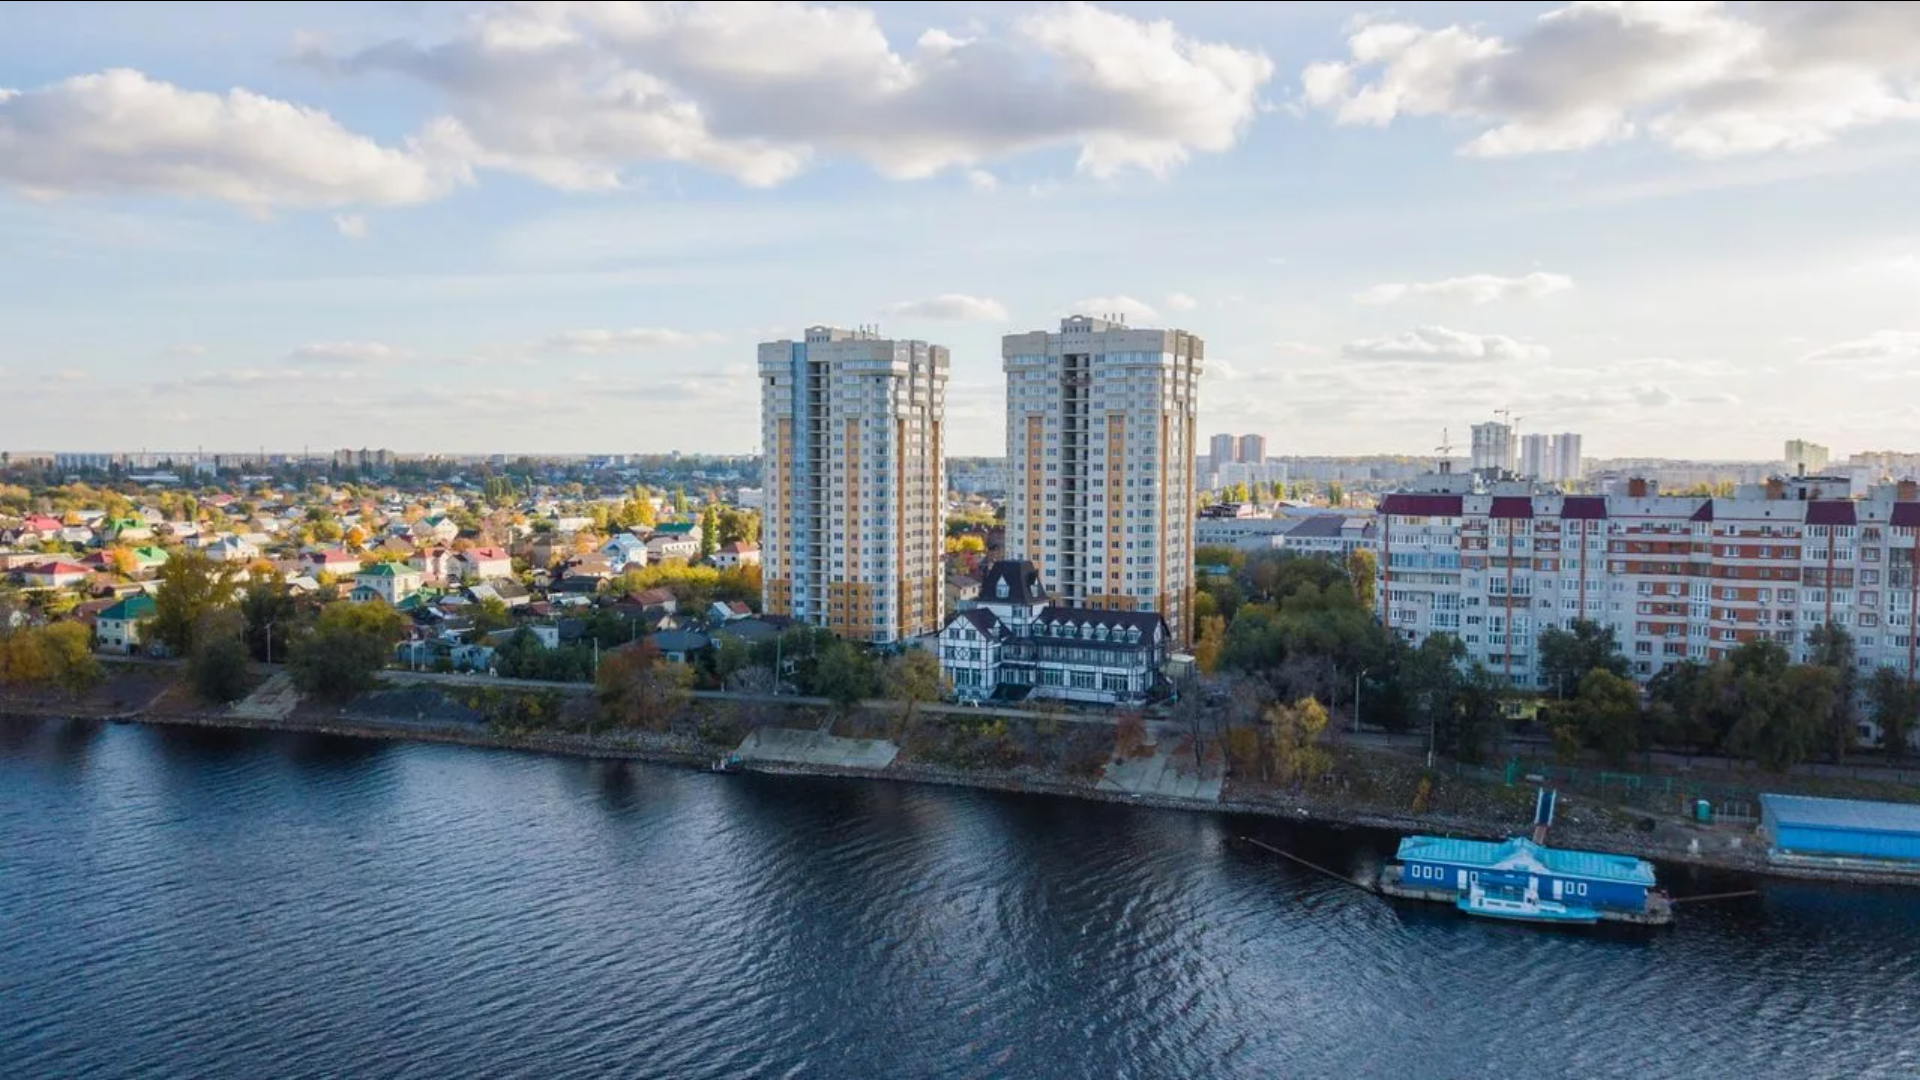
(1445,450)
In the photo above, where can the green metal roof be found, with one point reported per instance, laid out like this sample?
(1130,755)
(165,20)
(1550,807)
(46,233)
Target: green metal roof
(385,569)
(1592,865)
(132,609)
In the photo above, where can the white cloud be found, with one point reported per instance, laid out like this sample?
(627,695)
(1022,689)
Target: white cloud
(951,307)
(574,95)
(1126,306)
(351,226)
(639,339)
(982,180)
(1297,348)
(120,132)
(1705,79)
(1473,288)
(1881,347)
(188,349)
(1652,397)
(348,352)
(1179,301)
(1440,345)
(1717,397)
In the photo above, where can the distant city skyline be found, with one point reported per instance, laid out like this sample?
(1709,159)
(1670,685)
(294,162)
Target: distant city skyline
(448,227)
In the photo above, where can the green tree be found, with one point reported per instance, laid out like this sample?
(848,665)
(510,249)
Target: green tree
(844,675)
(1567,655)
(680,502)
(190,585)
(487,616)
(1336,493)
(217,667)
(1605,713)
(709,531)
(269,611)
(911,678)
(1831,647)
(1896,702)
(69,656)
(1470,725)
(1677,706)
(346,647)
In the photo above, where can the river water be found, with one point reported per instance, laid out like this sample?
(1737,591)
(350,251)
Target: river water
(227,904)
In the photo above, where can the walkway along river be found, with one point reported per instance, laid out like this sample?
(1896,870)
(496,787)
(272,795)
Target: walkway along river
(183,902)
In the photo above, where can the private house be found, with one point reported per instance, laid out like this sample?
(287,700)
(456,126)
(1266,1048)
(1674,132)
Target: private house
(131,530)
(1015,643)
(438,529)
(587,566)
(147,559)
(335,561)
(624,551)
(118,628)
(724,611)
(656,601)
(679,646)
(53,575)
(39,528)
(232,549)
(481,564)
(735,555)
(433,563)
(391,582)
(674,540)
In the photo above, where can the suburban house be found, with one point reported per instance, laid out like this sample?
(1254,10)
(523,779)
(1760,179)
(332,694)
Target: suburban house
(679,646)
(53,575)
(148,558)
(721,611)
(656,601)
(735,555)
(391,582)
(232,549)
(438,529)
(482,564)
(624,551)
(674,540)
(117,629)
(40,527)
(434,563)
(506,590)
(333,561)
(1014,643)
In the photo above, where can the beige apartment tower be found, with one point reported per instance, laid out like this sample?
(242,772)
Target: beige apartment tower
(1101,430)
(855,483)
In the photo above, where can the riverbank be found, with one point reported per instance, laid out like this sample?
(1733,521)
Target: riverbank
(1373,793)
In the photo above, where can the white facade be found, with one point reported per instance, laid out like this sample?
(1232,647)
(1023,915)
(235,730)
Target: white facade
(1676,577)
(1016,644)
(1806,457)
(1569,465)
(1493,447)
(853,426)
(1101,431)
(1536,457)
(1222,450)
(1253,449)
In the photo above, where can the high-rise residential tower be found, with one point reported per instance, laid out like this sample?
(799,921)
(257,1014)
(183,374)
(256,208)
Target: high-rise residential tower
(1536,457)
(1493,446)
(1253,449)
(1101,432)
(855,482)
(1569,466)
(1806,457)
(1222,450)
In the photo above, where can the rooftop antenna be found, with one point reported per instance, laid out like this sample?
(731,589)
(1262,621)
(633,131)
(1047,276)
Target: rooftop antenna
(1445,450)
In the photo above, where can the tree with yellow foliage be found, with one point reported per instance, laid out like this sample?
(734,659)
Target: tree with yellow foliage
(1296,730)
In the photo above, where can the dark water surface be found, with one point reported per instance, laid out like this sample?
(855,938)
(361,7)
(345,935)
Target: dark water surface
(181,904)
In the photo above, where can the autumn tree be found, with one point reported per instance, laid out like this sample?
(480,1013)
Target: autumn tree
(1362,570)
(1295,731)
(911,678)
(845,676)
(1206,647)
(640,688)
(1130,735)
(709,532)
(1895,701)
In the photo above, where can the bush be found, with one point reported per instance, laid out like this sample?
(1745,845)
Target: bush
(218,669)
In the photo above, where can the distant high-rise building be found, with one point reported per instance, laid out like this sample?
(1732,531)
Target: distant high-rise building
(855,482)
(1493,446)
(1569,466)
(1222,450)
(1806,457)
(1253,448)
(1536,457)
(1101,433)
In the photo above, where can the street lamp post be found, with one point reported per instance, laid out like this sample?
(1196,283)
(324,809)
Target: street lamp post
(1357,676)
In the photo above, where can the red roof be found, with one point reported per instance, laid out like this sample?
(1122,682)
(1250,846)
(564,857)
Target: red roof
(1516,507)
(1584,508)
(41,523)
(1405,504)
(56,568)
(485,554)
(1830,512)
(334,556)
(739,548)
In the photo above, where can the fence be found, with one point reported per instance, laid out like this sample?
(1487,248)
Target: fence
(1667,794)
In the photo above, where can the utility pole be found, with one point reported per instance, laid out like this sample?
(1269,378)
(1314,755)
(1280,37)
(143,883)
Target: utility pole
(1356,699)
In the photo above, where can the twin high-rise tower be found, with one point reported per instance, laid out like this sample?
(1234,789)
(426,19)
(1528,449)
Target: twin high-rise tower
(1101,429)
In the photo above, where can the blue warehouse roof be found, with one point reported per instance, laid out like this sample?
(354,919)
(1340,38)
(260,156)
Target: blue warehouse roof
(1857,815)
(1521,853)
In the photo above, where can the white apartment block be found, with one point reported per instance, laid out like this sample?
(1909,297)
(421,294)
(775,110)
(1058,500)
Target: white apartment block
(1493,447)
(1569,466)
(855,482)
(1101,427)
(1536,457)
(1676,577)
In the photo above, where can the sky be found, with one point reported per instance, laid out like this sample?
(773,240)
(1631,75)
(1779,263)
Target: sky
(1681,229)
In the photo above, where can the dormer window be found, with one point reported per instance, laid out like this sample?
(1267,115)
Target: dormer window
(1000,589)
